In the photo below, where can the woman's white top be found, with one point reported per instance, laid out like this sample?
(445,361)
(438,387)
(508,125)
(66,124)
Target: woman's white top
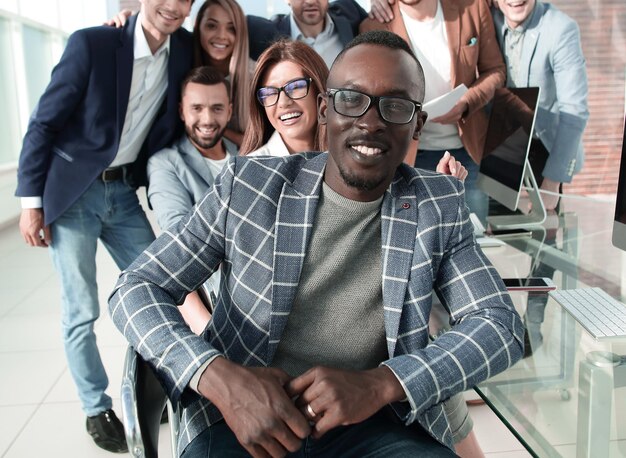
(275,146)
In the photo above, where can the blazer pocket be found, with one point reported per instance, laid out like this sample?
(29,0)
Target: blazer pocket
(468,56)
(62,154)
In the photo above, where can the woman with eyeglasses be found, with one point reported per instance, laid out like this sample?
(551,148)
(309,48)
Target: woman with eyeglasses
(289,76)
(283,110)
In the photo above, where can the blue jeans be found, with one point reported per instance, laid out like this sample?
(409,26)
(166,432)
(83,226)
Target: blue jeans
(379,436)
(110,212)
(477,200)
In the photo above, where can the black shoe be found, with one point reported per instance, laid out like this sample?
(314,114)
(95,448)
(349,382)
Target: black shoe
(107,432)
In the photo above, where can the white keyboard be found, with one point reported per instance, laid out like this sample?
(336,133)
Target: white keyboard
(601,315)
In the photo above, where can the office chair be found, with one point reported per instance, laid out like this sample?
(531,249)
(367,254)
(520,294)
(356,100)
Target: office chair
(143,400)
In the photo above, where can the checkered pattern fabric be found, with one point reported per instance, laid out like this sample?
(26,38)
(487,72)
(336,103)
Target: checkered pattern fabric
(256,221)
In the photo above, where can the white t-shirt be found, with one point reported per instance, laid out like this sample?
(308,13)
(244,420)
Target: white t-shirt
(429,41)
(216,165)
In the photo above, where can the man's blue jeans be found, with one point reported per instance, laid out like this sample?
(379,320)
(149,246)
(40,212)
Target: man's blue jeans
(477,200)
(110,212)
(378,436)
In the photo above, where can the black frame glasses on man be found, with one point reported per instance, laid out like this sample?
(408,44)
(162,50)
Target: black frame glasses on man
(295,89)
(354,104)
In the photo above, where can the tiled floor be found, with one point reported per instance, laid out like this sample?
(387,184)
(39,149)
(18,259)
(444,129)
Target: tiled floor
(39,410)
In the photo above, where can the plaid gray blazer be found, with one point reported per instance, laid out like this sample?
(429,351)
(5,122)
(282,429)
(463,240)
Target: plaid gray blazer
(256,221)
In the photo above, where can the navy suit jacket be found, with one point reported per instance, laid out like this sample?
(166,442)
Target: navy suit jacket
(346,15)
(74,132)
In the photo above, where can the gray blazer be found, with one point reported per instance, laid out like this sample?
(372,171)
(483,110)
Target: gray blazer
(178,177)
(257,221)
(552,59)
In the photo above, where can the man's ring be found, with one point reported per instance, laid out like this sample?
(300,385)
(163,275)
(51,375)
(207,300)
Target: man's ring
(310,411)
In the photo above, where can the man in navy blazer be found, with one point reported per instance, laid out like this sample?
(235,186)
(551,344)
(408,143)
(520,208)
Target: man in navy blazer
(112,101)
(327,28)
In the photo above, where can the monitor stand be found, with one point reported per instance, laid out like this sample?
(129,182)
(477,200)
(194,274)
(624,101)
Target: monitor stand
(535,217)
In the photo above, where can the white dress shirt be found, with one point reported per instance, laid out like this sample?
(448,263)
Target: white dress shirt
(327,44)
(147,91)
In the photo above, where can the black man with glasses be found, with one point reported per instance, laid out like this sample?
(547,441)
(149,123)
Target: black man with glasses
(319,341)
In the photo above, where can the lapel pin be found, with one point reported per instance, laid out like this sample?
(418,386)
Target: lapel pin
(406,205)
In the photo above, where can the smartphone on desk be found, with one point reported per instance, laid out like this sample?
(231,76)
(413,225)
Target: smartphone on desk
(535,284)
(509,233)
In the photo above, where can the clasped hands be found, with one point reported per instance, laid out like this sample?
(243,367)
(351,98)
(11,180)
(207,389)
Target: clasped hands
(270,412)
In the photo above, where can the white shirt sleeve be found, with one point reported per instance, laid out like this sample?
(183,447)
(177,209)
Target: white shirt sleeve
(195,380)
(31,202)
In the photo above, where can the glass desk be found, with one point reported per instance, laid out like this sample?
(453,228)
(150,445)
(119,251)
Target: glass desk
(567,397)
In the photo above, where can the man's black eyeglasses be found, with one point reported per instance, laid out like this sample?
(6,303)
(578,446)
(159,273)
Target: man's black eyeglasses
(294,89)
(352,103)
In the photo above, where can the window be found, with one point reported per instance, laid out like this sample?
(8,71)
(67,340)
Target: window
(38,61)
(9,118)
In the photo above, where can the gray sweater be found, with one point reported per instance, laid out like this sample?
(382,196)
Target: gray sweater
(337,316)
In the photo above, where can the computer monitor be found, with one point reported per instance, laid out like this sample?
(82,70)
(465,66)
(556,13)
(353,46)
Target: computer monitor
(619,224)
(504,168)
